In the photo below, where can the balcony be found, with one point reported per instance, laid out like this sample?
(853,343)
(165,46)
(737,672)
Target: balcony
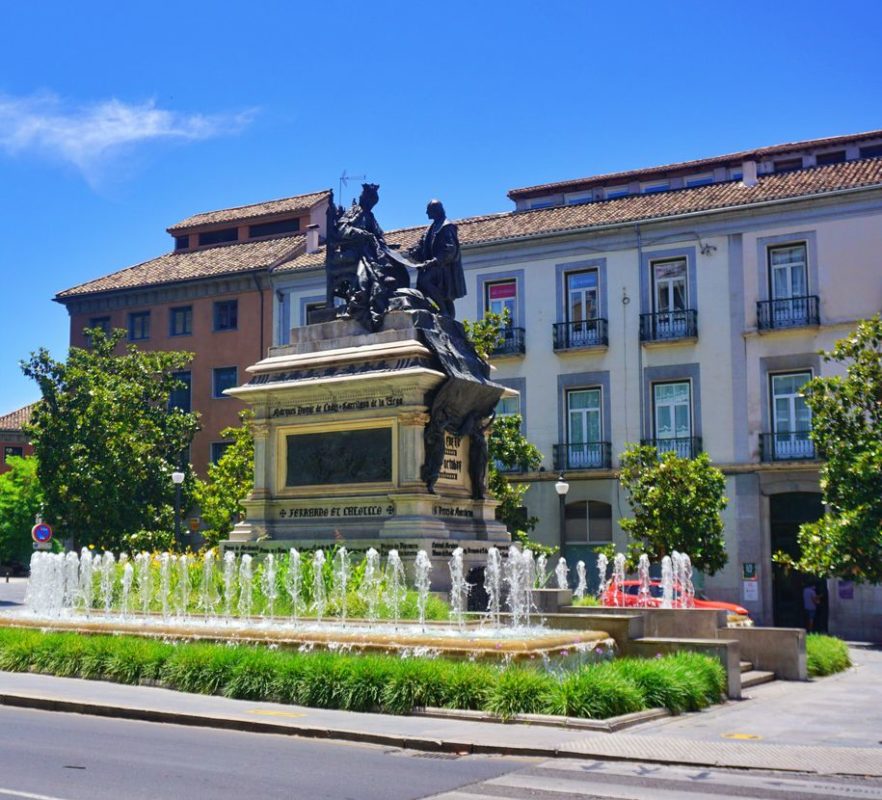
(586,455)
(669,325)
(586,333)
(512,343)
(790,312)
(790,446)
(683,446)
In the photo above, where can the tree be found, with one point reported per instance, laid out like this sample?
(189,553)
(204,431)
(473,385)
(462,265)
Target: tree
(229,482)
(677,504)
(107,439)
(20,500)
(847,431)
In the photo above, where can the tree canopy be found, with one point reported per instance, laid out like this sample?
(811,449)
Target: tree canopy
(107,439)
(229,481)
(847,431)
(20,500)
(677,504)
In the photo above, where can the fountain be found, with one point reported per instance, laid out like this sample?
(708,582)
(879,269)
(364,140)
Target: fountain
(493,585)
(618,579)
(582,585)
(422,582)
(644,593)
(562,572)
(667,582)
(602,567)
(459,588)
(541,571)
(248,585)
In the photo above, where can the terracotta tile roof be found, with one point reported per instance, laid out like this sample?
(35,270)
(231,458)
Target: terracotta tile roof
(300,202)
(193,265)
(805,183)
(15,420)
(686,166)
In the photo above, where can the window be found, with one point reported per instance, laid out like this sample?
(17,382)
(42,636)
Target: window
(180,321)
(500,297)
(787,271)
(871,151)
(182,242)
(736,174)
(699,180)
(656,186)
(100,322)
(310,307)
(9,452)
(612,192)
(835,157)
(139,326)
(274,228)
(578,198)
(508,406)
(582,308)
(544,203)
(217,450)
(788,165)
(670,298)
(218,237)
(584,424)
(673,417)
(588,521)
(791,416)
(181,396)
(223,378)
(226,315)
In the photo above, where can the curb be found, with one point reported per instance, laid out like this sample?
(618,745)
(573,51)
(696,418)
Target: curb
(610,725)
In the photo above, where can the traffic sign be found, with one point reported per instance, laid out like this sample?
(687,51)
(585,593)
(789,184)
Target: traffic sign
(41,533)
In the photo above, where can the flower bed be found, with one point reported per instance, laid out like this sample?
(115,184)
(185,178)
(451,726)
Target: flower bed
(825,655)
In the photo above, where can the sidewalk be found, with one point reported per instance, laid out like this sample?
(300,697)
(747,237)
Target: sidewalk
(692,739)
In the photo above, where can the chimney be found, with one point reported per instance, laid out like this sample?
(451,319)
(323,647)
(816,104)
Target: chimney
(748,173)
(312,238)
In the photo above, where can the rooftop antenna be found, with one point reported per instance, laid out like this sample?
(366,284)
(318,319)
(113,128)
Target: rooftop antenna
(345,179)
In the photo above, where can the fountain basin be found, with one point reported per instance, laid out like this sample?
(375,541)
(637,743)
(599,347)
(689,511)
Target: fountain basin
(449,641)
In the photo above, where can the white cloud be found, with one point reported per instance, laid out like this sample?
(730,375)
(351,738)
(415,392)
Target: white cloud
(90,136)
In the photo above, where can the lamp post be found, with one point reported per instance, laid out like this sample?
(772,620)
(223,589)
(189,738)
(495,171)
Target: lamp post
(562,487)
(177,480)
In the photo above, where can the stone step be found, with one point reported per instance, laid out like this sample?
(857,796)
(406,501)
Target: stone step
(755,677)
(746,666)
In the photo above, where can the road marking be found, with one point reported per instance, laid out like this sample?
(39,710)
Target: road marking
(740,736)
(28,795)
(265,712)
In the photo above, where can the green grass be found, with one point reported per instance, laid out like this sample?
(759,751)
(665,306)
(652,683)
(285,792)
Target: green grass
(384,683)
(825,655)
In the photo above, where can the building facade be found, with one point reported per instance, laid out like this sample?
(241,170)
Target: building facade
(13,440)
(682,306)
(210,296)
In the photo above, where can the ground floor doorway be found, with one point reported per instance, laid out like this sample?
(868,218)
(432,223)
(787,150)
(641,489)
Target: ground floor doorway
(787,512)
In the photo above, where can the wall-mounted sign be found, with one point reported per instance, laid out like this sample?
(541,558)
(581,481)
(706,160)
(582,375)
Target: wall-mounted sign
(750,591)
(748,571)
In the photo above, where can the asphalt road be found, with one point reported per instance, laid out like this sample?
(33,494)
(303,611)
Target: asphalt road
(54,756)
(74,757)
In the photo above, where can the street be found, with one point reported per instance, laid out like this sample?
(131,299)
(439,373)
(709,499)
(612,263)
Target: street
(55,756)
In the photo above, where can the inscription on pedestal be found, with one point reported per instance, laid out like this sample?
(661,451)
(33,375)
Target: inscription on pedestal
(339,457)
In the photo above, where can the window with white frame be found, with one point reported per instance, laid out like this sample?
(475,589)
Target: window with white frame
(508,406)
(788,284)
(670,298)
(502,296)
(582,309)
(584,429)
(672,410)
(588,521)
(791,416)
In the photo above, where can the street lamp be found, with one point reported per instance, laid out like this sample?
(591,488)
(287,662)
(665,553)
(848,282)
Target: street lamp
(177,480)
(562,487)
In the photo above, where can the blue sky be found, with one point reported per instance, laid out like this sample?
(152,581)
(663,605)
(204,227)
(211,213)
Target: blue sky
(119,119)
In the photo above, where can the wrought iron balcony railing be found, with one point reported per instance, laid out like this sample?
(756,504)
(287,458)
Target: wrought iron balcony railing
(667,325)
(584,455)
(512,343)
(586,333)
(790,446)
(790,312)
(683,446)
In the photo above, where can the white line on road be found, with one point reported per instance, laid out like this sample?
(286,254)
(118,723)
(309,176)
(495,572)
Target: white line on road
(27,795)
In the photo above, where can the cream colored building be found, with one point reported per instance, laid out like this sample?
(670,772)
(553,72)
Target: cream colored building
(682,305)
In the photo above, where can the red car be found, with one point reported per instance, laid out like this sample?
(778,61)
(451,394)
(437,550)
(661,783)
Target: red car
(629,595)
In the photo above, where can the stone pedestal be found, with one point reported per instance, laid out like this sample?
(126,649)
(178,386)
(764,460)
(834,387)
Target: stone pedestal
(339,420)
